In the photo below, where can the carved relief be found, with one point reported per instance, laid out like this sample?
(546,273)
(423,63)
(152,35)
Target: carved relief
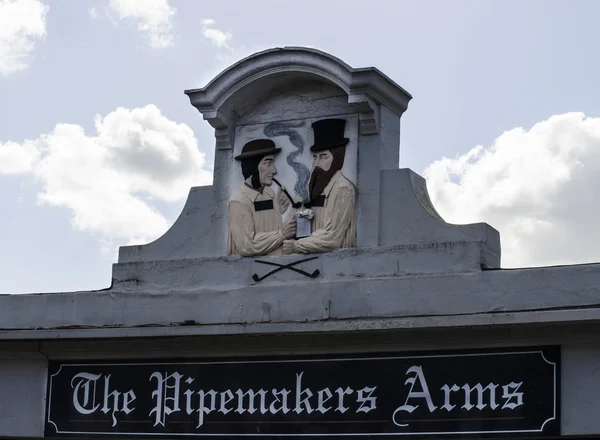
(320,216)
(332,197)
(255,223)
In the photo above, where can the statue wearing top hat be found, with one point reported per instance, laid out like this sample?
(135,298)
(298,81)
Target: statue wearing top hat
(255,224)
(332,195)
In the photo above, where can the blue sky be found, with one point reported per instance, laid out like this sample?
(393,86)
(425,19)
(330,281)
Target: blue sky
(504,120)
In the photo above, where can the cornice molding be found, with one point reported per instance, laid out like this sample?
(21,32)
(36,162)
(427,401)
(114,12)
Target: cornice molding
(367,88)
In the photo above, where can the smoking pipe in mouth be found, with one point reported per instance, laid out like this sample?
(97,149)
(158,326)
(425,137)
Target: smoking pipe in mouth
(296,205)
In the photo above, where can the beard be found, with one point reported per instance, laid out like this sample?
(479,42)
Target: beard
(319,180)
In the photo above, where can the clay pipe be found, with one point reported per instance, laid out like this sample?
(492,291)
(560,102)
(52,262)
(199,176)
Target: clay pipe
(295,205)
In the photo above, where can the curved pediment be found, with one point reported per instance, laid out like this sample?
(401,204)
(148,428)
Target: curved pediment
(259,74)
(307,173)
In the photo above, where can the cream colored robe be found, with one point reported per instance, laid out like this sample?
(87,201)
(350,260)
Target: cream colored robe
(251,232)
(334,224)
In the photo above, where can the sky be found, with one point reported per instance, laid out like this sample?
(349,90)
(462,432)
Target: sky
(99,145)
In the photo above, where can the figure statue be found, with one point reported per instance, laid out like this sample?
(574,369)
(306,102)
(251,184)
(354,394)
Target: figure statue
(332,195)
(255,214)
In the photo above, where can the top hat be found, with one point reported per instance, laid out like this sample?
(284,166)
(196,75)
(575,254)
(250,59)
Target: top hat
(258,147)
(329,133)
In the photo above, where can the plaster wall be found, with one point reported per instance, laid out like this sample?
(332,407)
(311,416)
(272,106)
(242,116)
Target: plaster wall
(308,99)
(22,391)
(201,214)
(174,296)
(408,217)
(581,389)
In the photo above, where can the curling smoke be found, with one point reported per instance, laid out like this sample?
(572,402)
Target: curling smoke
(287,129)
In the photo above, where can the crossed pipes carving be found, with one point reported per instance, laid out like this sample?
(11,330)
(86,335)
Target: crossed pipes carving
(289,266)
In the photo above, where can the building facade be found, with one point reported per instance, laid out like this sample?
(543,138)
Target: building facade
(312,291)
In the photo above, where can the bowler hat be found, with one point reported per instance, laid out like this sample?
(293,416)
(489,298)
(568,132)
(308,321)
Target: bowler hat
(329,133)
(258,147)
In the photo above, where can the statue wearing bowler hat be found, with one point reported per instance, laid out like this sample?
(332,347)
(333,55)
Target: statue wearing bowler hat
(255,225)
(332,195)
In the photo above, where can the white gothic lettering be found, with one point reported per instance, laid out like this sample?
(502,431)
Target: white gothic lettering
(85,395)
(468,397)
(510,392)
(173,392)
(166,395)
(412,394)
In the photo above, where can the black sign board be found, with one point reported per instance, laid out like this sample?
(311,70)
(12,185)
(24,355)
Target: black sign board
(482,393)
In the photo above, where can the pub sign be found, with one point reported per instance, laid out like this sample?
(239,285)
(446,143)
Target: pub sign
(481,393)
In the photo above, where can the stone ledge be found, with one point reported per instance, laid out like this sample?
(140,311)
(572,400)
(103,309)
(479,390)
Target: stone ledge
(231,273)
(526,319)
(478,298)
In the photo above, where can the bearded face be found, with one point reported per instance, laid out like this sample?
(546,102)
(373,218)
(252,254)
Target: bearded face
(325,164)
(322,160)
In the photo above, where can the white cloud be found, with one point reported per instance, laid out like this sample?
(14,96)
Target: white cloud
(538,187)
(22,23)
(18,158)
(153,18)
(108,180)
(218,37)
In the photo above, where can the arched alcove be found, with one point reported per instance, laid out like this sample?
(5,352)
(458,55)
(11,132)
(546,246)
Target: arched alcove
(366,88)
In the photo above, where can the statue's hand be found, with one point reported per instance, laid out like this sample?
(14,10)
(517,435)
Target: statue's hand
(284,202)
(288,247)
(289,228)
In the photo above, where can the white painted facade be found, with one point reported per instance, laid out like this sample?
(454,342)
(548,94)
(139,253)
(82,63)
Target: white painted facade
(414,282)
